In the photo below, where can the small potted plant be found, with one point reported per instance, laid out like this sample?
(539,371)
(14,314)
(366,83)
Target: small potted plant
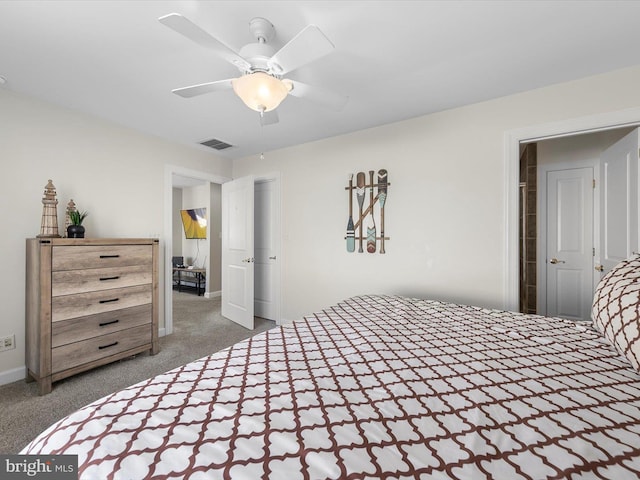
(76,230)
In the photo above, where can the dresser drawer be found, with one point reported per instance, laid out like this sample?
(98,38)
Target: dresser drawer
(83,328)
(91,303)
(79,257)
(66,282)
(74,354)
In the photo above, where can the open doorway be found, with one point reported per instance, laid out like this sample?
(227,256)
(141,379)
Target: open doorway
(268,232)
(196,236)
(512,141)
(560,222)
(189,189)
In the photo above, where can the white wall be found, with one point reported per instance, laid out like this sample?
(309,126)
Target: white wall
(214,279)
(177,232)
(577,150)
(115,173)
(445,210)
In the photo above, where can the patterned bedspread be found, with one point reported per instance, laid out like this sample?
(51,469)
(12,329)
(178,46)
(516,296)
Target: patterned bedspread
(375,387)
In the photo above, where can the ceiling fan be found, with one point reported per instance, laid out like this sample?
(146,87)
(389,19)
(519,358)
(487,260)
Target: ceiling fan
(260,85)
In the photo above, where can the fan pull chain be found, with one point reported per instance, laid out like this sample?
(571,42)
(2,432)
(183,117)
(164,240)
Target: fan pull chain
(262,133)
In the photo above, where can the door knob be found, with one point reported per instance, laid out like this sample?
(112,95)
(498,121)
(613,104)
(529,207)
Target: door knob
(555,260)
(272,258)
(248,260)
(600,268)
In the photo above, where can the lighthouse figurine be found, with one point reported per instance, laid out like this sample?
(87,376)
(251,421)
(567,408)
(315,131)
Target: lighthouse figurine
(49,225)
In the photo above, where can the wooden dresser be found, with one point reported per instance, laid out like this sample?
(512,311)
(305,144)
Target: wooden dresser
(88,302)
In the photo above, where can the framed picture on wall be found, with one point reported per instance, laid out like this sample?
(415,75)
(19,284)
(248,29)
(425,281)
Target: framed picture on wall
(194,222)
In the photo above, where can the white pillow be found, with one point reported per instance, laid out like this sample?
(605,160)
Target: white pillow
(616,308)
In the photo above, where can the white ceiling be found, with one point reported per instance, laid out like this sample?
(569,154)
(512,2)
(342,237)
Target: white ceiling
(394,59)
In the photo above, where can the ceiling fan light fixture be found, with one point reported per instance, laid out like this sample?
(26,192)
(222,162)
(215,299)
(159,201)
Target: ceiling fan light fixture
(260,91)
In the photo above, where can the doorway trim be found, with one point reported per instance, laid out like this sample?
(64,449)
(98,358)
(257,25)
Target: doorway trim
(169,171)
(512,139)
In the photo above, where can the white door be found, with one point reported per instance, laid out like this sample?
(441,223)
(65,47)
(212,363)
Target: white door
(569,263)
(267,249)
(237,251)
(618,202)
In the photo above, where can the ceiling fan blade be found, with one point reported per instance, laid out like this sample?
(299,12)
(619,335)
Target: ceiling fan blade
(309,45)
(193,90)
(186,27)
(269,118)
(326,98)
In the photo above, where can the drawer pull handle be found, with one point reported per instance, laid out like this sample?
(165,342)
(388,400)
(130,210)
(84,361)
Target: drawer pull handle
(110,300)
(102,279)
(104,324)
(107,346)
(109,256)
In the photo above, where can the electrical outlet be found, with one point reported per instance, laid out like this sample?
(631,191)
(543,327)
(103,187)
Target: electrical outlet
(7,343)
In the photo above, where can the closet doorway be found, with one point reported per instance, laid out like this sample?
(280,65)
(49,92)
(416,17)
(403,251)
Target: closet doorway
(565,190)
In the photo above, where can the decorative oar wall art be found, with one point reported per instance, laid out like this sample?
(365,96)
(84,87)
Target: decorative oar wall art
(368,228)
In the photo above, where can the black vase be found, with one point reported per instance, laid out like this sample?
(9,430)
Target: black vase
(75,231)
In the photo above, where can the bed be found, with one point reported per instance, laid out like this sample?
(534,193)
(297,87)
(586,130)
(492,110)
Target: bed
(382,386)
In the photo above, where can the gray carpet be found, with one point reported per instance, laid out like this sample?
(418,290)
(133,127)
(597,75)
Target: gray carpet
(198,330)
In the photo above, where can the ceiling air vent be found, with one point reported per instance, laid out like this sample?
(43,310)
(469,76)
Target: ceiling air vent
(216,144)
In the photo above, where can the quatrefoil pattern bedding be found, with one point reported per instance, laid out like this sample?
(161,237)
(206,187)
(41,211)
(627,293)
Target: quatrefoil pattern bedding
(616,308)
(375,387)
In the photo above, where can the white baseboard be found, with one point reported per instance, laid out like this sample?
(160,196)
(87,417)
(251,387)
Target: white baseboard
(10,376)
(213,294)
(162,332)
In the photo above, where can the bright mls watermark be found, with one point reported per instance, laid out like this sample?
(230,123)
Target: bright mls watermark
(49,467)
